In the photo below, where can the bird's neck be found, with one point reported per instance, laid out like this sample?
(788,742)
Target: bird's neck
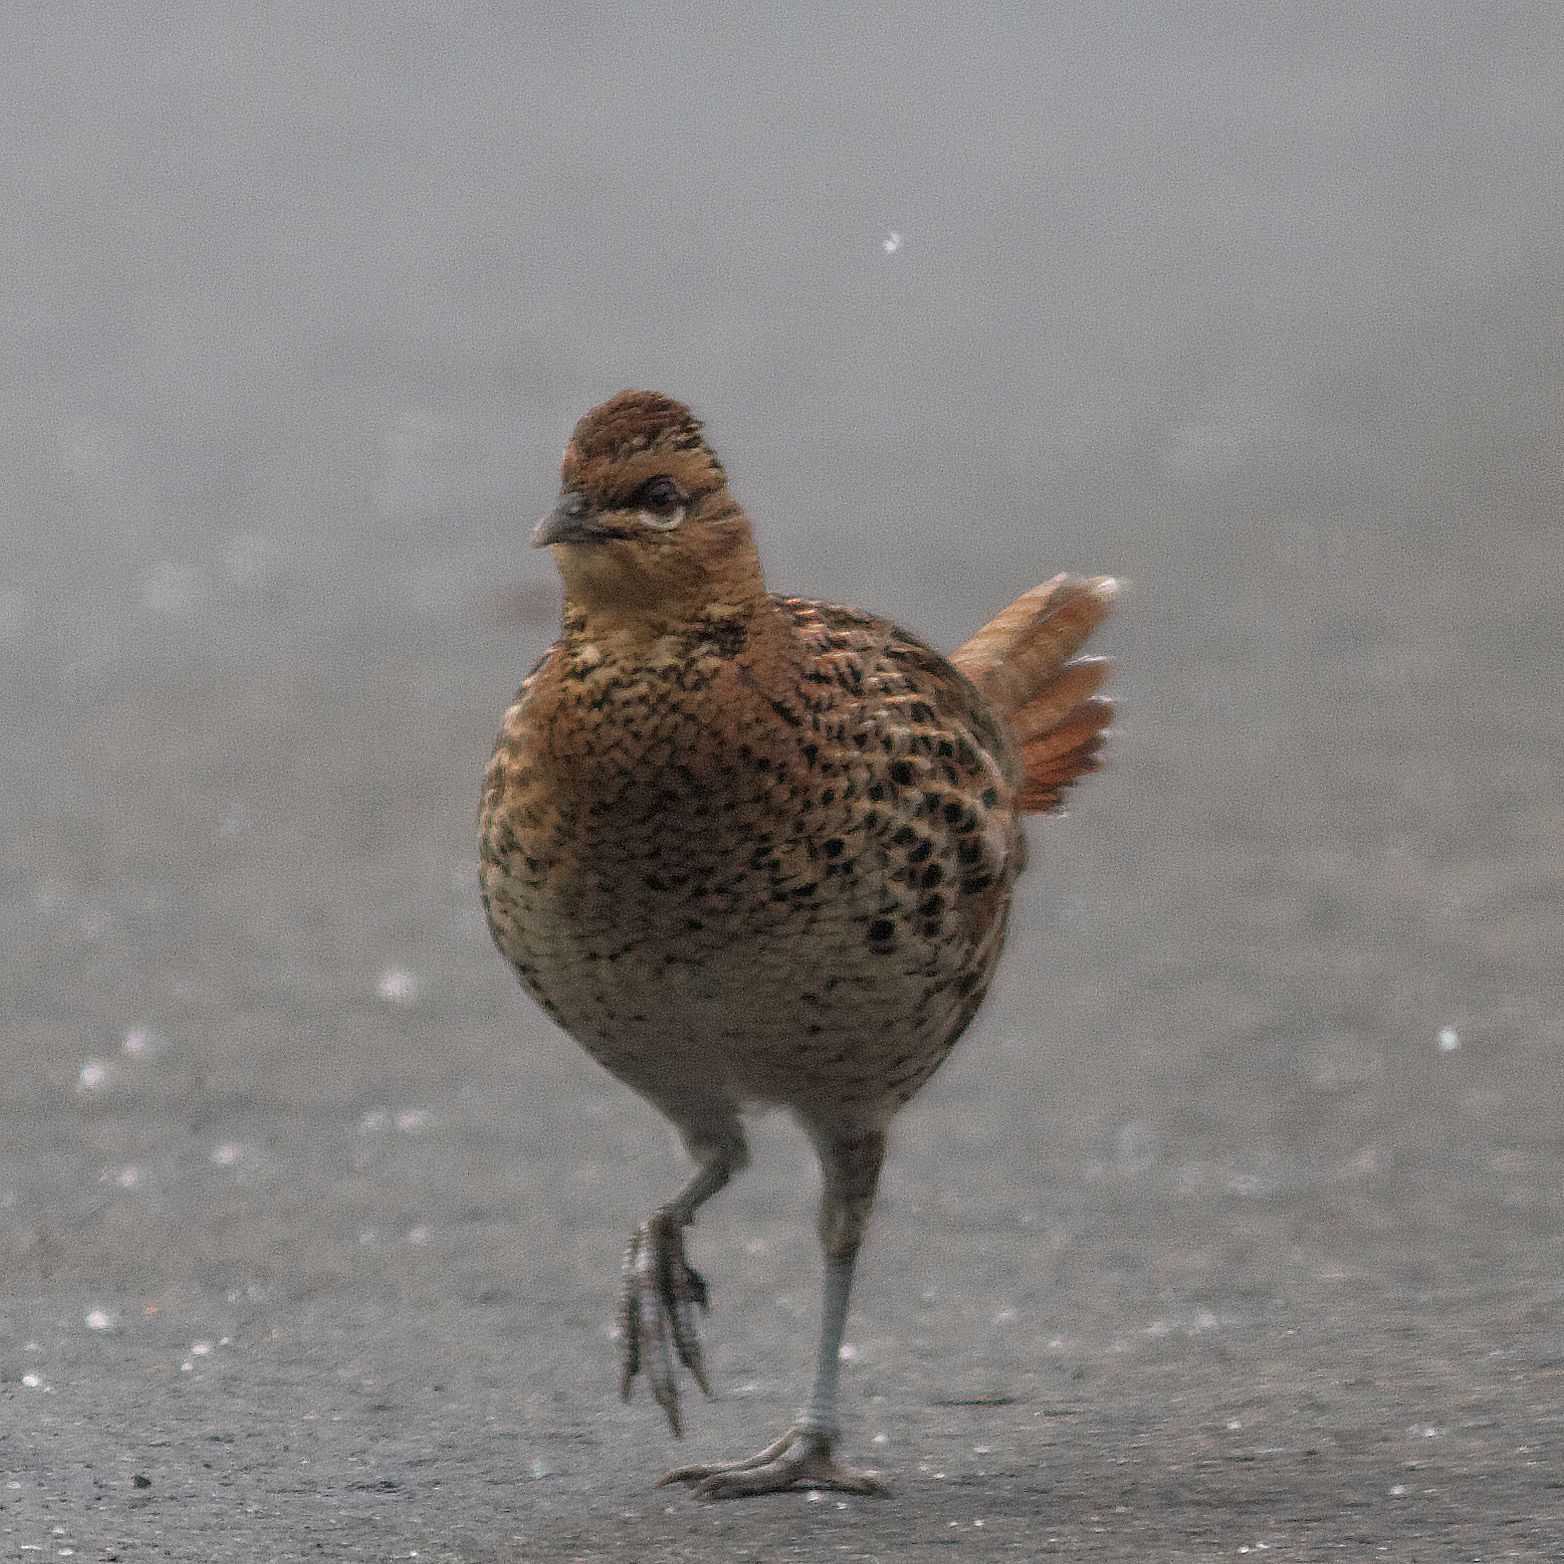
(724,627)
(624,602)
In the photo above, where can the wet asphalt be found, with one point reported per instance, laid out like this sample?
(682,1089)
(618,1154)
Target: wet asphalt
(1236,1223)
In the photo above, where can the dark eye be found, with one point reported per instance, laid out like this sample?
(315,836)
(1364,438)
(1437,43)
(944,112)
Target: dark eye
(659,494)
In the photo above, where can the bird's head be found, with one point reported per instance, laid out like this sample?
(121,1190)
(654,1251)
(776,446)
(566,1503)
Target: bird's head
(645,527)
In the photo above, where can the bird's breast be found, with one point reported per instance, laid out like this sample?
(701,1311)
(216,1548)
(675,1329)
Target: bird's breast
(698,862)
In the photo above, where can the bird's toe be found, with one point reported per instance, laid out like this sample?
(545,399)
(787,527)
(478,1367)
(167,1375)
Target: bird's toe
(801,1458)
(657,1316)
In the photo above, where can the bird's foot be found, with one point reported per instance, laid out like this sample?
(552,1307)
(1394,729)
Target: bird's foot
(657,1315)
(801,1458)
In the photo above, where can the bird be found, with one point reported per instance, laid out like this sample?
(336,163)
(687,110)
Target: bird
(754,851)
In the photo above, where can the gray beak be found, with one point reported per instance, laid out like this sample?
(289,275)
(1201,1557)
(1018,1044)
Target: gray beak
(566,523)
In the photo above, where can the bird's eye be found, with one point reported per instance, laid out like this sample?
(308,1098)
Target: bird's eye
(659,494)
(660,504)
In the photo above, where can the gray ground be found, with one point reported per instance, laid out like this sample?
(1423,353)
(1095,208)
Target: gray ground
(1236,1223)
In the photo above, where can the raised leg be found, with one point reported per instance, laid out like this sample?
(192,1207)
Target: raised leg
(662,1289)
(805,1456)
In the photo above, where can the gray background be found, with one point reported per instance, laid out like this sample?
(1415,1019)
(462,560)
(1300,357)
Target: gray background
(310,1221)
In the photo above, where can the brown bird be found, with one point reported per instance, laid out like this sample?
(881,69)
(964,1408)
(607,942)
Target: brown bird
(752,850)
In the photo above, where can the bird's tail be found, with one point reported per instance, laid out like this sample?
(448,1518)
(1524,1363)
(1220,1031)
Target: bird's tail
(1024,662)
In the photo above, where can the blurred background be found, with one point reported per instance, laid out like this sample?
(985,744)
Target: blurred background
(1237,1217)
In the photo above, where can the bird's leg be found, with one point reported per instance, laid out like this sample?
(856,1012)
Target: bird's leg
(805,1456)
(662,1289)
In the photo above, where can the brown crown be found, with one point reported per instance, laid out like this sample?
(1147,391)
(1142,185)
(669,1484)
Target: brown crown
(636,421)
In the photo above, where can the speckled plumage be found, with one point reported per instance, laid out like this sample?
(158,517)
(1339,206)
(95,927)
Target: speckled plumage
(757,863)
(750,849)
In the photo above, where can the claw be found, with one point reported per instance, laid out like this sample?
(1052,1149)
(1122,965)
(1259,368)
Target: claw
(657,1312)
(801,1458)
(626,1333)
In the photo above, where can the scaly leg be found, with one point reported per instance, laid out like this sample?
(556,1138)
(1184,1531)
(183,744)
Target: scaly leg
(662,1289)
(804,1457)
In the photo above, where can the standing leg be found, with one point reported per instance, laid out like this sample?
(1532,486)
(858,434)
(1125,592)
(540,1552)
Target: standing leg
(804,1457)
(661,1288)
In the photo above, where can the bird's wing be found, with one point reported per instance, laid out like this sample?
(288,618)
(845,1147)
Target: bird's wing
(903,682)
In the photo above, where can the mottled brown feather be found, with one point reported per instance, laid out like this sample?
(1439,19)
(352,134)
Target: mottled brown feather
(758,849)
(635,421)
(753,847)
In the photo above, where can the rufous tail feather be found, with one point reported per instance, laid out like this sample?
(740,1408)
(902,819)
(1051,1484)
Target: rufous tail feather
(1024,662)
